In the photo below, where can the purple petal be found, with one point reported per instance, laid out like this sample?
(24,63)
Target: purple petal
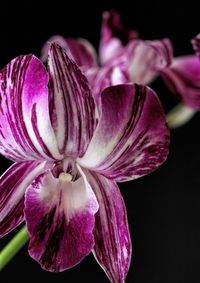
(131,138)
(81,50)
(23,105)
(142,58)
(72,105)
(196,44)
(13,184)
(183,78)
(60,219)
(113,36)
(112,239)
(139,62)
(145,58)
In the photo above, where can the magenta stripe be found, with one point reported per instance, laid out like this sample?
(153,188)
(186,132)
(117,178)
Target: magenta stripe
(112,239)
(79,103)
(13,184)
(16,73)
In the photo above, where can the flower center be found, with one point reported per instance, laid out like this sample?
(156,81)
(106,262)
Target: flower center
(65,177)
(66,170)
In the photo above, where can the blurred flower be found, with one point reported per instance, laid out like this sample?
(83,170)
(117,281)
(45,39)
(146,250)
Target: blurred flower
(123,57)
(196,44)
(68,160)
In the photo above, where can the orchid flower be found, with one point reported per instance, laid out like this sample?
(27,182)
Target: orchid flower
(68,157)
(148,59)
(123,57)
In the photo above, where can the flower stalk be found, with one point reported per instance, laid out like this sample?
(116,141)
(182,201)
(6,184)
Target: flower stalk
(179,115)
(12,248)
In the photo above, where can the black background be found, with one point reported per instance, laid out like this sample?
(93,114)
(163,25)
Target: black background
(163,207)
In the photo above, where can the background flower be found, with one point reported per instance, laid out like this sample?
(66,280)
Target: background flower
(123,56)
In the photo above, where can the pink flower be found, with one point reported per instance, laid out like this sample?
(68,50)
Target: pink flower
(123,57)
(68,157)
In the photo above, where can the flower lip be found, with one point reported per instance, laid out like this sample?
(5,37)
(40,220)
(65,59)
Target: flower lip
(60,220)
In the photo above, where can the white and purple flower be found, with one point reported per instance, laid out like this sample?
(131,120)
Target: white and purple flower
(147,59)
(123,57)
(68,156)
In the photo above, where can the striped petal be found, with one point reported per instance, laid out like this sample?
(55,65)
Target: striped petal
(114,36)
(183,78)
(112,247)
(72,105)
(131,139)
(145,58)
(196,44)
(23,105)
(13,184)
(60,220)
(81,50)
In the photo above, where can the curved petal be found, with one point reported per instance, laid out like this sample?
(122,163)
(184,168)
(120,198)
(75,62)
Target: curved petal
(112,239)
(132,138)
(13,184)
(183,78)
(60,219)
(23,105)
(142,58)
(81,50)
(196,44)
(145,58)
(114,36)
(72,105)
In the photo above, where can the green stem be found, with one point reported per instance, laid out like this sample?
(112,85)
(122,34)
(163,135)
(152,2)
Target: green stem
(13,247)
(179,115)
